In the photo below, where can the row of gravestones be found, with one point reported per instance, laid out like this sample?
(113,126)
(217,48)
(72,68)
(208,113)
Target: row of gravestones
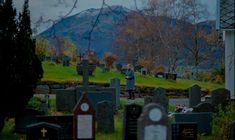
(66,99)
(218,96)
(149,123)
(202,111)
(80,125)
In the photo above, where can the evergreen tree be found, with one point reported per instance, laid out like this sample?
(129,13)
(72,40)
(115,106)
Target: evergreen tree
(20,66)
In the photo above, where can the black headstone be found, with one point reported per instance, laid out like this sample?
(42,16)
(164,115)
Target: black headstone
(26,117)
(131,115)
(233,130)
(203,120)
(105,117)
(184,131)
(43,131)
(66,123)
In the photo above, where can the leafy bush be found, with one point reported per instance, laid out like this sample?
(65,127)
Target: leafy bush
(34,102)
(222,122)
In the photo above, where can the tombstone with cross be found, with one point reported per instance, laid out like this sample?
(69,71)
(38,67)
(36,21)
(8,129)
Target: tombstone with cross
(43,131)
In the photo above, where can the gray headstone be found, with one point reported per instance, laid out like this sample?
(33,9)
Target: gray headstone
(65,99)
(105,117)
(42,89)
(203,120)
(43,131)
(153,123)
(159,97)
(85,73)
(184,131)
(147,100)
(204,107)
(233,131)
(143,71)
(115,83)
(131,114)
(44,106)
(194,95)
(219,96)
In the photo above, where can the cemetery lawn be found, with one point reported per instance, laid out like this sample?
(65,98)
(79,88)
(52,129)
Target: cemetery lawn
(60,74)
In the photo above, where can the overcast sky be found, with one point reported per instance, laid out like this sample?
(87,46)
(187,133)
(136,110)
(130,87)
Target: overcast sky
(51,9)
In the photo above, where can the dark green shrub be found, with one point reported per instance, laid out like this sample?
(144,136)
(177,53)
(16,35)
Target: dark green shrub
(34,102)
(222,122)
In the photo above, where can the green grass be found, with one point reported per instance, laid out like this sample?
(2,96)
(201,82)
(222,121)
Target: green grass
(57,73)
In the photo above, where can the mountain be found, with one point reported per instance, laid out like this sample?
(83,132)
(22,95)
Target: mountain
(79,26)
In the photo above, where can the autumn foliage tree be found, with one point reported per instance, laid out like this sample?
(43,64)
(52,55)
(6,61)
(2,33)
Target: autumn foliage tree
(109,59)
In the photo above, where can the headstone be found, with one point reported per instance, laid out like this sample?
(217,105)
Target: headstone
(204,107)
(66,61)
(131,114)
(43,131)
(194,95)
(84,120)
(170,76)
(66,123)
(159,97)
(91,68)
(184,131)
(220,96)
(85,73)
(26,117)
(147,100)
(42,89)
(115,83)
(44,106)
(233,131)
(65,99)
(143,71)
(105,117)
(203,120)
(153,123)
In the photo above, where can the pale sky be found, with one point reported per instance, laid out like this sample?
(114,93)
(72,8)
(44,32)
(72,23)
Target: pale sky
(50,9)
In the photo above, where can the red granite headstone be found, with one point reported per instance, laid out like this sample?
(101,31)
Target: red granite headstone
(84,120)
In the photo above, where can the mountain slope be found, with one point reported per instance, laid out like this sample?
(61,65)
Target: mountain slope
(78,28)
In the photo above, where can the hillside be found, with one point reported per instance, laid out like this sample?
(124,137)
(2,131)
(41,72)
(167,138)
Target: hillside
(78,27)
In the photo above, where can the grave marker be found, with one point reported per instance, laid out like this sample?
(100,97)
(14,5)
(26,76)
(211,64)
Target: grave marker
(184,131)
(194,95)
(220,96)
(131,114)
(84,120)
(85,73)
(65,122)
(203,120)
(115,83)
(204,107)
(105,117)
(43,131)
(160,97)
(233,131)
(152,124)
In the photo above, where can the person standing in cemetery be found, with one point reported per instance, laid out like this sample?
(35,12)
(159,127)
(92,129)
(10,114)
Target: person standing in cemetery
(130,82)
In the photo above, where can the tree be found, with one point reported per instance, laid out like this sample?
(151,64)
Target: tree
(109,59)
(20,67)
(64,47)
(42,48)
